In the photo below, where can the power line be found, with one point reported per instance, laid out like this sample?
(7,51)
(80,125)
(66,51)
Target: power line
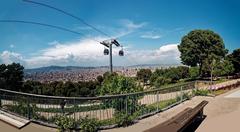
(46,25)
(69,14)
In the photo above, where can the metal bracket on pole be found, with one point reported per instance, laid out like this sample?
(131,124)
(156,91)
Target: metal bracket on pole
(108,44)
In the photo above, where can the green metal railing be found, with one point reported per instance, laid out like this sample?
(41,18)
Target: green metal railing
(41,108)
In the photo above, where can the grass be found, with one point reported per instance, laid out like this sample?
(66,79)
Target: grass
(218,92)
(221,80)
(163,104)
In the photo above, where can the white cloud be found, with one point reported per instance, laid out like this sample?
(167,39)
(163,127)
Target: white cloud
(129,27)
(90,53)
(7,57)
(166,54)
(150,35)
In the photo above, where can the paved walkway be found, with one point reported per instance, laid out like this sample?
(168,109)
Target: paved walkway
(29,128)
(223,113)
(235,94)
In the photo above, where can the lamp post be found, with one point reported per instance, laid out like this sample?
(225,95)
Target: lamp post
(108,45)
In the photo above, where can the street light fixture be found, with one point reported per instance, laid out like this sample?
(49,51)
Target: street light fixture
(108,45)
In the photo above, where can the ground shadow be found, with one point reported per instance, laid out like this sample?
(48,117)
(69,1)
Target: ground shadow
(196,123)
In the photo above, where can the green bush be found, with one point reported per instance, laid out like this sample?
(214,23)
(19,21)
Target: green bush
(124,119)
(161,81)
(201,92)
(64,123)
(89,125)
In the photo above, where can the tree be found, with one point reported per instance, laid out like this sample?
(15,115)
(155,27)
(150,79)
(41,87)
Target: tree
(194,72)
(144,75)
(11,76)
(197,45)
(100,79)
(161,81)
(119,85)
(224,67)
(3,68)
(234,57)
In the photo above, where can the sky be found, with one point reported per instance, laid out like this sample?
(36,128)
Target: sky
(149,30)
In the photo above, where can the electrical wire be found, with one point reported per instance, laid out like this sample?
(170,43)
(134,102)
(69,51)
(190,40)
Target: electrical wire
(69,14)
(46,25)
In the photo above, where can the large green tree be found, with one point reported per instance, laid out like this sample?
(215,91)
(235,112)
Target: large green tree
(234,57)
(198,45)
(11,76)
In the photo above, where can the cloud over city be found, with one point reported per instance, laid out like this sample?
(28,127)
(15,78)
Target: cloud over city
(87,52)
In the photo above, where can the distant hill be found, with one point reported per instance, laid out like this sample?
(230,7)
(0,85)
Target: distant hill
(74,68)
(154,65)
(55,68)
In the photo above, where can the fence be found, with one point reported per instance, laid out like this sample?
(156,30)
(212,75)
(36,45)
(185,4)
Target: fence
(44,109)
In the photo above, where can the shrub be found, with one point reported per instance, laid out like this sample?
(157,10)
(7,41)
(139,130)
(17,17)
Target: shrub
(201,92)
(64,123)
(161,81)
(89,125)
(123,119)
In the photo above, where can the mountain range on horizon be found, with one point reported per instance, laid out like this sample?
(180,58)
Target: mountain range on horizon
(55,68)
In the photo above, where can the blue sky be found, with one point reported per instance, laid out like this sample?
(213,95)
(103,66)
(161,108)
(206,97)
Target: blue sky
(150,30)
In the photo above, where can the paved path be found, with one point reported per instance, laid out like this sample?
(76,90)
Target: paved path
(223,113)
(29,128)
(235,94)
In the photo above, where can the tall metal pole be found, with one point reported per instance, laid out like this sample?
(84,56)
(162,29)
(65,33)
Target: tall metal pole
(111,66)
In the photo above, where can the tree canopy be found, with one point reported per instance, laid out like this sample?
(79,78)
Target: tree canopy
(11,76)
(144,75)
(199,45)
(234,57)
(118,84)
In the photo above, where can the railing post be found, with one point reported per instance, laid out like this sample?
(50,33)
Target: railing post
(62,104)
(0,103)
(28,109)
(74,113)
(181,94)
(157,101)
(126,104)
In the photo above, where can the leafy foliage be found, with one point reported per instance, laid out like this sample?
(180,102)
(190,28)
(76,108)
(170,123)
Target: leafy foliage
(161,81)
(161,77)
(144,75)
(119,85)
(89,124)
(197,45)
(64,123)
(234,57)
(11,76)
(59,88)
(201,92)
(124,119)
(224,67)
(194,72)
